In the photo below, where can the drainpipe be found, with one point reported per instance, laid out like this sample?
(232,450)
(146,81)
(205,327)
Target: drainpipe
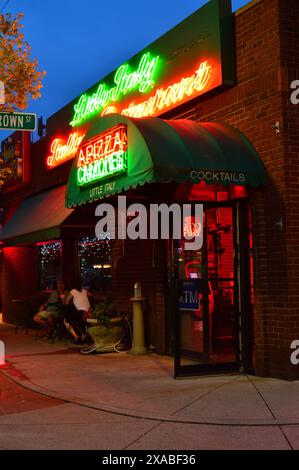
(138,346)
(2,354)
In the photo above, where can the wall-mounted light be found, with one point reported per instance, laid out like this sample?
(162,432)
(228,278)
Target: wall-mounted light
(279,223)
(276,127)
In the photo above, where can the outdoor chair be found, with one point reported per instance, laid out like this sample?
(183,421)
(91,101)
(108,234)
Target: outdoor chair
(23,312)
(60,332)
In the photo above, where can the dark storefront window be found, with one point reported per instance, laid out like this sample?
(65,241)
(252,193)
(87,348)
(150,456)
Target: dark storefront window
(49,263)
(12,159)
(95,263)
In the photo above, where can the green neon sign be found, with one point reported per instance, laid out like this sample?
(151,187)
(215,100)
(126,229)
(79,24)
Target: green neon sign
(111,165)
(103,156)
(126,81)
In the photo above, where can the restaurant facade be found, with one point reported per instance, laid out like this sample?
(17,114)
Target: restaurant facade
(202,115)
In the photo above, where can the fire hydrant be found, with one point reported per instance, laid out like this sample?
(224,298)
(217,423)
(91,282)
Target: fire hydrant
(138,346)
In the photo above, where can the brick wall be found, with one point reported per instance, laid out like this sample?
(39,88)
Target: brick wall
(141,261)
(288,328)
(19,266)
(267,47)
(267,58)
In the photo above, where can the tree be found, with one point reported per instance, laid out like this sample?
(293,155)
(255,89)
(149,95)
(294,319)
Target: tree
(19,72)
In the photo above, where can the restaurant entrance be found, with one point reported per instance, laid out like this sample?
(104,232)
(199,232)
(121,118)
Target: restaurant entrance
(212,313)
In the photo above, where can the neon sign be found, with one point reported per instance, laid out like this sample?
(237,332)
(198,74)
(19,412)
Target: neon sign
(63,151)
(195,57)
(191,228)
(126,81)
(103,156)
(173,94)
(163,99)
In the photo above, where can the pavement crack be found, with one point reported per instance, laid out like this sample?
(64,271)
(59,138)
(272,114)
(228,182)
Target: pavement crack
(262,397)
(142,435)
(286,437)
(204,395)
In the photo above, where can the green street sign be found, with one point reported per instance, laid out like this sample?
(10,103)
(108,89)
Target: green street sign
(18,121)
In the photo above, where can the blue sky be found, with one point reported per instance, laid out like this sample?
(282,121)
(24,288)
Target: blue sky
(78,42)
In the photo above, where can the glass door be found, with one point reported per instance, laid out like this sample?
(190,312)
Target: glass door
(206,324)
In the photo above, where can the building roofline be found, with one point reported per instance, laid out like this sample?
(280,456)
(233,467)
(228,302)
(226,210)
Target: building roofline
(247,7)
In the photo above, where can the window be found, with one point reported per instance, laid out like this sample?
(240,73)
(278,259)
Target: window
(14,154)
(95,263)
(49,263)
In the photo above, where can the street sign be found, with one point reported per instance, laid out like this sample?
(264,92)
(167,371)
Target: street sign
(18,121)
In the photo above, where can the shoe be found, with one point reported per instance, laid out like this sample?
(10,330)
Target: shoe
(88,350)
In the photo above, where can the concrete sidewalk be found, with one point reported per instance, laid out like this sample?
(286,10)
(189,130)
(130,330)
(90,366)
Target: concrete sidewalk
(231,411)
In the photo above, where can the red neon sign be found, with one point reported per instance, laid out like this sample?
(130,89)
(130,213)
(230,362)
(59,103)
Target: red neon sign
(103,156)
(62,151)
(191,228)
(174,94)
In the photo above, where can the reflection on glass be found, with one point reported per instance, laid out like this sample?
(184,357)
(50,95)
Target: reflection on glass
(95,263)
(49,263)
(207,328)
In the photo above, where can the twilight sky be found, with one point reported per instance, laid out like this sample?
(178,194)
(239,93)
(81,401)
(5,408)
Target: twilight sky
(78,42)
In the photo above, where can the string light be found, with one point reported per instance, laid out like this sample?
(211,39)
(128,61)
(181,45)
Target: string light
(95,258)
(49,255)
(90,247)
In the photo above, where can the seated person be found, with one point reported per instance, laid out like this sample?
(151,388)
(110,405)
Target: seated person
(78,307)
(50,310)
(96,291)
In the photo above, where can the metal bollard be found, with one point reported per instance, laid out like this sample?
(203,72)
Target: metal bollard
(138,346)
(2,353)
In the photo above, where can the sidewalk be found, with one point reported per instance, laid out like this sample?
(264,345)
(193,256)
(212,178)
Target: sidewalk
(223,408)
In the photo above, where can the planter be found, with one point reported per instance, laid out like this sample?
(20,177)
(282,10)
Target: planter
(92,321)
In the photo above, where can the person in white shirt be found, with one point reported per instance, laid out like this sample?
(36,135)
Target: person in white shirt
(80,299)
(78,307)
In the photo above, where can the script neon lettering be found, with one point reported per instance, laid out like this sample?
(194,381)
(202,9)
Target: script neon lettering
(173,94)
(62,151)
(125,80)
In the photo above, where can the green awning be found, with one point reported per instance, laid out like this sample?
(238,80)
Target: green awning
(175,150)
(37,219)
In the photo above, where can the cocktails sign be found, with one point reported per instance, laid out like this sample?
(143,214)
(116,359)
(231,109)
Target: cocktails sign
(103,156)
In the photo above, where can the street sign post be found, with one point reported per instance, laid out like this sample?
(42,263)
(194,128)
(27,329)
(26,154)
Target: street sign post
(18,121)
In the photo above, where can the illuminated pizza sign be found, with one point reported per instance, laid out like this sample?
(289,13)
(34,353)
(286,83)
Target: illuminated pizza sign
(103,156)
(195,57)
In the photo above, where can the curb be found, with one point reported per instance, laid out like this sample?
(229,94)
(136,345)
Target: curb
(271,422)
